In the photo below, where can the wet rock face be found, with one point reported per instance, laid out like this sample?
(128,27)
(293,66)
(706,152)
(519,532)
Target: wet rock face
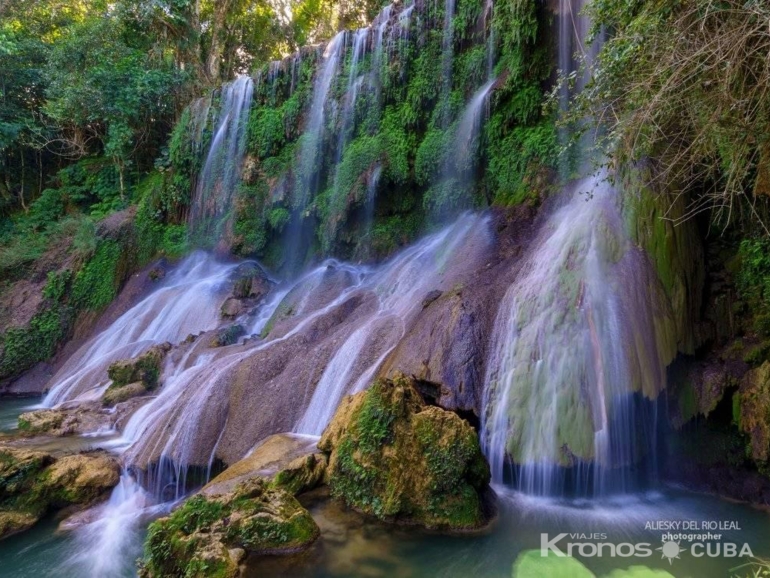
(396,458)
(210,535)
(34,483)
(444,346)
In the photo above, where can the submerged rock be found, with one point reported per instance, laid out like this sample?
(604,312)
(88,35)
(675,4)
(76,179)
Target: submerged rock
(34,483)
(210,535)
(533,564)
(396,458)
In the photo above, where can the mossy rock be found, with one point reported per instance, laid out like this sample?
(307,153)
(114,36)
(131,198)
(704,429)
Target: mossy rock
(532,564)
(145,369)
(116,395)
(209,535)
(34,483)
(41,421)
(302,474)
(228,336)
(394,457)
(753,412)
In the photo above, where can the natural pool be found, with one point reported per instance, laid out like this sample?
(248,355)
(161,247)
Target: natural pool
(354,546)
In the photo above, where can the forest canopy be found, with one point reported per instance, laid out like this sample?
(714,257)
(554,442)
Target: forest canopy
(106,81)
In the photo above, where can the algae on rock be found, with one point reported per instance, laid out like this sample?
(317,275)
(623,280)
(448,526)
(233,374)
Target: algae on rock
(396,458)
(210,535)
(33,483)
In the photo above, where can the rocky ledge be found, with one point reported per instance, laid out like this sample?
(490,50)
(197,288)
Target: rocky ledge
(34,483)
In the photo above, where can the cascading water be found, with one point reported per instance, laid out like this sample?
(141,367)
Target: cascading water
(187,302)
(311,144)
(581,342)
(465,147)
(398,285)
(209,214)
(111,543)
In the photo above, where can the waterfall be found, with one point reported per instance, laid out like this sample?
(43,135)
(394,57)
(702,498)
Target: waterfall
(399,285)
(464,151)
(209,214)
(313,136)
(187,301)
(581,342)
(447,46)
(111,542)
(577,350)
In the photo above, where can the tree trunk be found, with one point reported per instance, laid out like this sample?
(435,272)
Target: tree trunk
(214,59)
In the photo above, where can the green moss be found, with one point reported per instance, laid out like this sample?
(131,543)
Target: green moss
(393,457)
(97,283)
(194,540)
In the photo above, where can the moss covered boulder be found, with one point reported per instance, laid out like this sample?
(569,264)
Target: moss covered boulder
(210,535)
(394,457)
(127,373)
(35,483)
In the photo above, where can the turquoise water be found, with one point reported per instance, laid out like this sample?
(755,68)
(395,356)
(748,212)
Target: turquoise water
(11,409)
(354,546)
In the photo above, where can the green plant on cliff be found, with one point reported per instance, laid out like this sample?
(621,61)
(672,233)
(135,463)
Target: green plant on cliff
(753,281)
(684,82)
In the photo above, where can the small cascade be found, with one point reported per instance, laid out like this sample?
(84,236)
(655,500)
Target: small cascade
(209,214)
(188,301)
(465,145)
(112,541)
(307,164)
(311,144)
(448,43)
(380,26)
(371,198)
(358,51)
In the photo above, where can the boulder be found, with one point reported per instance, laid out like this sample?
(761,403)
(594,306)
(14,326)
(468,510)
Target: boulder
(227,336)
(394,457)
(34,483)
(116,395)
(42,421)
(211,535)
(285,454)
(86,417)
(143,370)
(250,282)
